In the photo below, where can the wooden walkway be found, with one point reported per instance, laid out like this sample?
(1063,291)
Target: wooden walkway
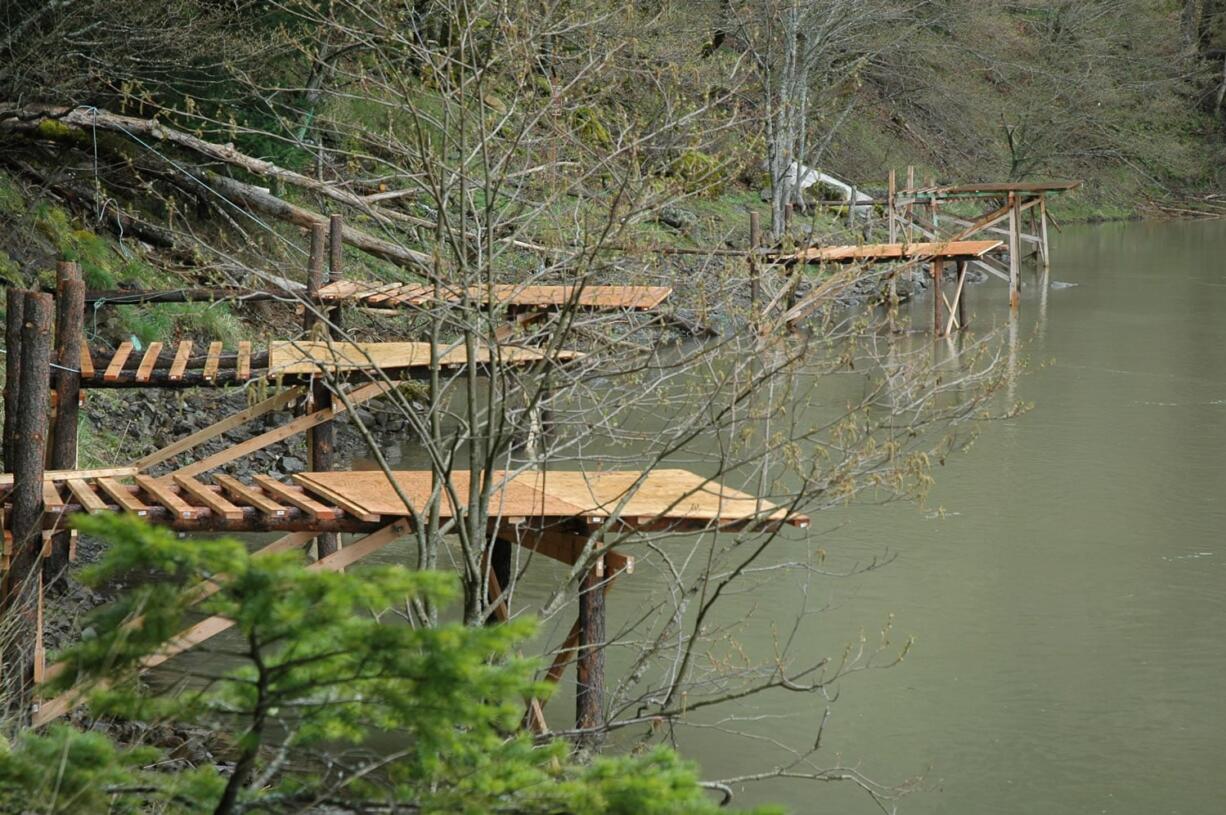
(554,514)
(883,252)
(363,501)
(417,295)
(179,365)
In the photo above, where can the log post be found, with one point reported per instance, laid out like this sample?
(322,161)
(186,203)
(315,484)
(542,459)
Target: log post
(911,191)
(336,262)
(755,240)
(851,206)
(589,695)
(22,581)
(1044,253)
(1015,248)
(14,311)
(321,439)
(962,294)
(69,335)
(938,271)
(891,192)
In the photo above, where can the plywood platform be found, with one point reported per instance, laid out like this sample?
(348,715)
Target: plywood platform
(994,188)
(398,295)
(952,250)
(659,497)
(338,501)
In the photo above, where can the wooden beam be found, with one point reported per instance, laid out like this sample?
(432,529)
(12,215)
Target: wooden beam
(213,500)
(213,362)
(87,362)
(148,361)
(6,479)
(296,498)
(122,496)
(357,397)
(180,364)
(85,495)
(244,361)
(161,493)
(117,362)
(216,429)
(251,496)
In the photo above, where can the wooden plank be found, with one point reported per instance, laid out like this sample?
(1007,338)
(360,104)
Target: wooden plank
(344,502)
(122,496)
(213,362)
(297,498)
(85,495)
(161,493)
(308,358)
(251,496)
(52,502)
(244,361)
(372,490)
(87,361)
(386,295)
(148,361)
(217,428)
(213,500)
(180,364)
(894,251)
(660,495)
(6,479)
(117,362)
(302,423)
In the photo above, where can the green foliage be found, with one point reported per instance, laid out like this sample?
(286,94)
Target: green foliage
(587,123)
(67,771)
(320,664)
(102,266)
(12,202)
(700,173)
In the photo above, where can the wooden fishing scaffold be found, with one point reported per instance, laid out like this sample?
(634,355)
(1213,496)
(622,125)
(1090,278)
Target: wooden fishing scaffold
(1001,209)
(577,518)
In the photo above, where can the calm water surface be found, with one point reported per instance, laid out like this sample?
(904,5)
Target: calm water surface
(1068,603)
(1065,584)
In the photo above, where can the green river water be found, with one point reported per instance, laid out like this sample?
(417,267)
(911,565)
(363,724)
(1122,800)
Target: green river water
(1065,584)
(1068,603)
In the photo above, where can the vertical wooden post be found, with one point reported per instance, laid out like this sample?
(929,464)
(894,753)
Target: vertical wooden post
(1044,253)
(1015,249)
(932,207)
(891,192)
(787,217)
(69,334)
(911,192)
(499,564)
(589,696)
(336,262)
(938,271)
(962,294)
(14,311)
(755,240)
(321,439)
(22,581)
(851,206)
